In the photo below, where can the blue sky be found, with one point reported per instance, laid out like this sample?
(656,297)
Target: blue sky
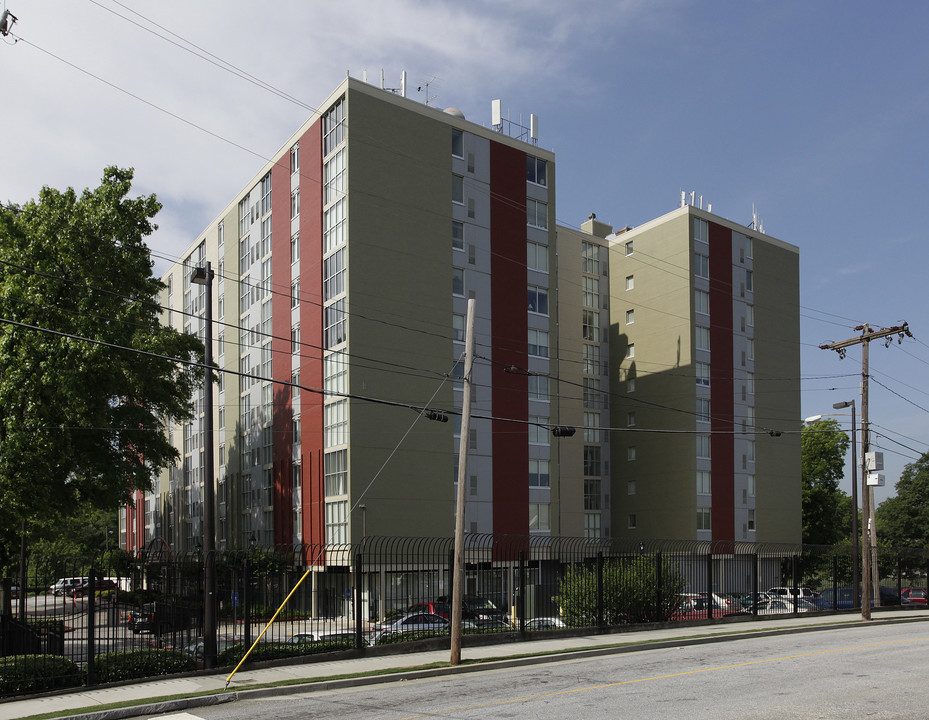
(815,112)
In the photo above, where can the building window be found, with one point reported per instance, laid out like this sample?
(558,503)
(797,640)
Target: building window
(457,235)
(266,194)
(701,265)
(538,343)
(295,204)
(336,421)
(334,274)
(751,521)
(703,373)
(630,317)
(630,453)
(295,293)
(535,170)
(630,418)
(539,516)
(457,143)
(536,257)
(458,189)
(630,282)
(538,299)
(538,388)
(337,522)
(703,410)
(591,289)
(335,372)
(702,302)
(458,282)
(630,351)
(592,432)
(458,328)
(294,247)
(703,519)
(536,214)
(592,525)
(630,385)
(631,521)
(703,482)
(335,324)
(748,280)
(631,487)
(701,338)
(539,473)
(334,127)
(701,230)
(592,396)
(538,430)
(703,446)
(591,359)
(334,226)
(294,159)
(590,329)
(334,177)
(750,349)
(750,485)
(750,315)
(295,339)
(591,258)
(627,248)
(592,460)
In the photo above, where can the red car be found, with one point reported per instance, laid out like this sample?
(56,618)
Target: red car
(102,584)
(913,596)
(435,608)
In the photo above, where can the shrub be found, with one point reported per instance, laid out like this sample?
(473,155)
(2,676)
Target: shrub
(275,651)
(141,664)
(24,674)
(630,592)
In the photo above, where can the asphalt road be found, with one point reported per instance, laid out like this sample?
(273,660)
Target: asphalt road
(859,672)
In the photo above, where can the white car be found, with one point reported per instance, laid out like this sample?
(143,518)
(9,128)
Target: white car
(545,623)
(785,606)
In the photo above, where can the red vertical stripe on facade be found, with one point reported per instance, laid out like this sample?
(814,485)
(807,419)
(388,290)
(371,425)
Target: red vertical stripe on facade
(311,333)
(509,328)
(722,384)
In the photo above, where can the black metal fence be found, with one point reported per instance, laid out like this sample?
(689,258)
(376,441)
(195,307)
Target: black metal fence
(78,620)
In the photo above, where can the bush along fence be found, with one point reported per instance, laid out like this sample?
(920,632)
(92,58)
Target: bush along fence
(119,616)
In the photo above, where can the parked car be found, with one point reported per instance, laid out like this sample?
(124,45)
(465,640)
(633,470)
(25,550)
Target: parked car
(783,605)
(160,618)
(749,599)
(67,585)
(195,648)
(436,608)
(476,608)
(913,596)
(101,585)
(802,592)
(308,637)
(545,623)
(412,623)
(845,598)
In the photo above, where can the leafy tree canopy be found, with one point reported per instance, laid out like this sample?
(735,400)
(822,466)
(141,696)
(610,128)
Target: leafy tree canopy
(83,423)
(903,520)
(825,513)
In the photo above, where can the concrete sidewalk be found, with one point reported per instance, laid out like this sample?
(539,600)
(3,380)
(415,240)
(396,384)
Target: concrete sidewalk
(179,693)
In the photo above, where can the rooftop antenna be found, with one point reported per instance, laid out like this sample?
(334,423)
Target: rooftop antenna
(425,86)
(7,20)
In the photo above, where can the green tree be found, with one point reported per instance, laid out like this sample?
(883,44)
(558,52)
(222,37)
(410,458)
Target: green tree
(630,591)
(903,520)
(825,512)
(83,424)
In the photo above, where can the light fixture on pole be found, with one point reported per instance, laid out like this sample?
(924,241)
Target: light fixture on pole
(204,276)
(856,584)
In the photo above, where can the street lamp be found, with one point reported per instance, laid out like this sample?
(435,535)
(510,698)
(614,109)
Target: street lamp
(204,276)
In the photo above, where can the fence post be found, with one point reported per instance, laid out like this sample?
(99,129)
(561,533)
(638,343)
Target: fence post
(709,584)
(835,574)
(755,584)
(247,598)
(659,578)
(521,598)
(600,620)
(91,603)
(795,584)
(899,576)
(358,614)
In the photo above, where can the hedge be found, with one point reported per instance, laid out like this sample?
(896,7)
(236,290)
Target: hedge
(141,664)
(25,674)
(275,651)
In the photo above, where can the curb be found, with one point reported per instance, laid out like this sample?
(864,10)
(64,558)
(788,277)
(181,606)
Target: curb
(157,708)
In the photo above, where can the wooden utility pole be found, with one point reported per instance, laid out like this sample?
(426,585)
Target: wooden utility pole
(458,565)
(869,575)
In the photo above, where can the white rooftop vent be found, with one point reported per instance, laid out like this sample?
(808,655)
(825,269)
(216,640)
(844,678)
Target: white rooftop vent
(454,111)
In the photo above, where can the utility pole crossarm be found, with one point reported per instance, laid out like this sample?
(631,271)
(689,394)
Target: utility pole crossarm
(867,335)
